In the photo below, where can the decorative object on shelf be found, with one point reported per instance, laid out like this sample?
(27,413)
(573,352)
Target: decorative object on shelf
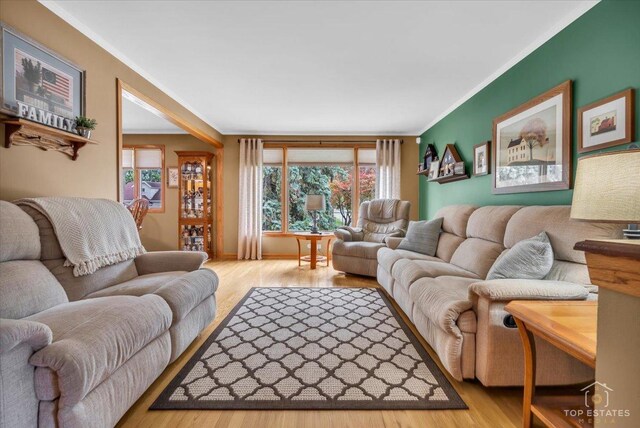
(449,159)
(314,203)
(21,132)
(481,158)
(173,176)
(84,126)
(606,123)
(430,154)
(195,203)
(532,144)
(434,170)
(40,86)
(607,189)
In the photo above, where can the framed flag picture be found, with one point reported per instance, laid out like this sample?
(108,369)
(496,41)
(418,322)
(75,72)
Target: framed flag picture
(39,85)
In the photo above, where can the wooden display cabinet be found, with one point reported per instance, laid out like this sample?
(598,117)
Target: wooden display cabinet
(195,202)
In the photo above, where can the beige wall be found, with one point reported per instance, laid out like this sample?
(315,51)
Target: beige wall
(27,171)
(287,246)
(160,230)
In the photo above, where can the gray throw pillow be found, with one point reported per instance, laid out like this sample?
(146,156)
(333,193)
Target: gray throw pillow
(529,259)
(422,237)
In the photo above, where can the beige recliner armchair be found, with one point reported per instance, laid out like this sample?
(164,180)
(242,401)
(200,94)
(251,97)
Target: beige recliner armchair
(356,248)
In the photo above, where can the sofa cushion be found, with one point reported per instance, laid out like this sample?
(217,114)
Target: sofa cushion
(529,259)
(562,231)
(361,249)
(570,272)
(92,339)
(27,287)
(490,222)
(138,286)
(477,255)
(455,218)
(81,286)
(407,272)
(448,243)
(19,236)
(435,269)
(422,237)
(48,239)
(442,300)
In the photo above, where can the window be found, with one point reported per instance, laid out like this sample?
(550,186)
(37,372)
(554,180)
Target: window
(143,175)
(297,172)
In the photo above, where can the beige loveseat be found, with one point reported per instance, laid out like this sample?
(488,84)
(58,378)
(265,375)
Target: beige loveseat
(79,351)
(462,316)
(356,248)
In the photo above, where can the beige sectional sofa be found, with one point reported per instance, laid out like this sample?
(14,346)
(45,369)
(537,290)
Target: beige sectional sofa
(79,351)
(461,315)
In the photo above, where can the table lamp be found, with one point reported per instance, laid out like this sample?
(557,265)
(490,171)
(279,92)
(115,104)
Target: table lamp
(314,203)
(607,190)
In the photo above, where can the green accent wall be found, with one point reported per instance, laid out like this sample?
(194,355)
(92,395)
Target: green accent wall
(600,52)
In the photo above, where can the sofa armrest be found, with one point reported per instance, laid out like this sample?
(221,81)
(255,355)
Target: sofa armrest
(393,241)
(527,289)
(348,233)
(166,261)
(18,332)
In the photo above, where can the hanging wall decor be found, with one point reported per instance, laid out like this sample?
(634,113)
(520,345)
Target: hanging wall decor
(532,144)
(607,122)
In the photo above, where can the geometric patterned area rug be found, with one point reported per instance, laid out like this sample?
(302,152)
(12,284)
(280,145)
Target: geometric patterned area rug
(311,348)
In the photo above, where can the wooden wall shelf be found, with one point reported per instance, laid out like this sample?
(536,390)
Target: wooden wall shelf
(446,178)
(22,132)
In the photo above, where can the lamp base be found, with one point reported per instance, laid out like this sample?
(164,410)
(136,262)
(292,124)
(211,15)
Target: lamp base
(632,232)
(314,228)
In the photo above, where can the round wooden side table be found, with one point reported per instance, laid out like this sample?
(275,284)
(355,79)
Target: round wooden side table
(314,258)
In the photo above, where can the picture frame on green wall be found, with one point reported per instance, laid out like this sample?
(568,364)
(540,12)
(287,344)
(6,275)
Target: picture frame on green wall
(482,159)
(607,122)
(532,144)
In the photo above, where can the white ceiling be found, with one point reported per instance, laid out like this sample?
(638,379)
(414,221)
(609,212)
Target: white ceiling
(267,67)
(138,120)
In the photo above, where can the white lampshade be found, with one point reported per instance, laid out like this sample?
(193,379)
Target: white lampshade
(607,188)
(314,203)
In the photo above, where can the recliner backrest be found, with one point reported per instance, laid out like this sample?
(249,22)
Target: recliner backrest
(381,218)
(26,285)
(53,258)
(454,228)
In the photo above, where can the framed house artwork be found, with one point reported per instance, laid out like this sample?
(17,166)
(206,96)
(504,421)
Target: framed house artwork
(39,85)
(532,144)
(607,122)
(481,158)
(172,176)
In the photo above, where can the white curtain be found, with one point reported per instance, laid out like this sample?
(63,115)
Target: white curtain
(250,200)
(388,169)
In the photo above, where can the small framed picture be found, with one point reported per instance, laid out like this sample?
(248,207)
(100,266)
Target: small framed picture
(607,122)
(481,158)
(434,168)
(172,176)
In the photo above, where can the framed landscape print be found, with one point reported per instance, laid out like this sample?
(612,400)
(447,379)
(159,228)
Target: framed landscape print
(532,144)
(481,158)
(606,123)
(39,85)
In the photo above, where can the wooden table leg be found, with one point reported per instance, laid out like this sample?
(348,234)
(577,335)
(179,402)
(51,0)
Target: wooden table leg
(328,251)
(299,252)
(529,346)
(314,253)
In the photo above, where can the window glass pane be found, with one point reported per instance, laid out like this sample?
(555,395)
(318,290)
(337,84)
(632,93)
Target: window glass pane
(128,191)
(334,182)
(367,183)
(150,186)
(148,158)
(271,197)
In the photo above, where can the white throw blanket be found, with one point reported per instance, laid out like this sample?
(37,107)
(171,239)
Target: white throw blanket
(93,233)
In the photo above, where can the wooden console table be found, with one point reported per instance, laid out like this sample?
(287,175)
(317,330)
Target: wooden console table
(313,258)
(570,326)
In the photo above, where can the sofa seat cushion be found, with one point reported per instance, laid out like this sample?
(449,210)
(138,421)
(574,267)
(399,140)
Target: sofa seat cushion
(139,286)
(442,300)
(408,271)
(387,257)
(360,249)
(91,340)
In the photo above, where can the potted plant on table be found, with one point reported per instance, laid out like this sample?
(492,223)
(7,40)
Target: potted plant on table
(84,126)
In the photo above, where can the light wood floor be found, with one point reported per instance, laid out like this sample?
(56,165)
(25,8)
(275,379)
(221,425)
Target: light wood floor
(488,407)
